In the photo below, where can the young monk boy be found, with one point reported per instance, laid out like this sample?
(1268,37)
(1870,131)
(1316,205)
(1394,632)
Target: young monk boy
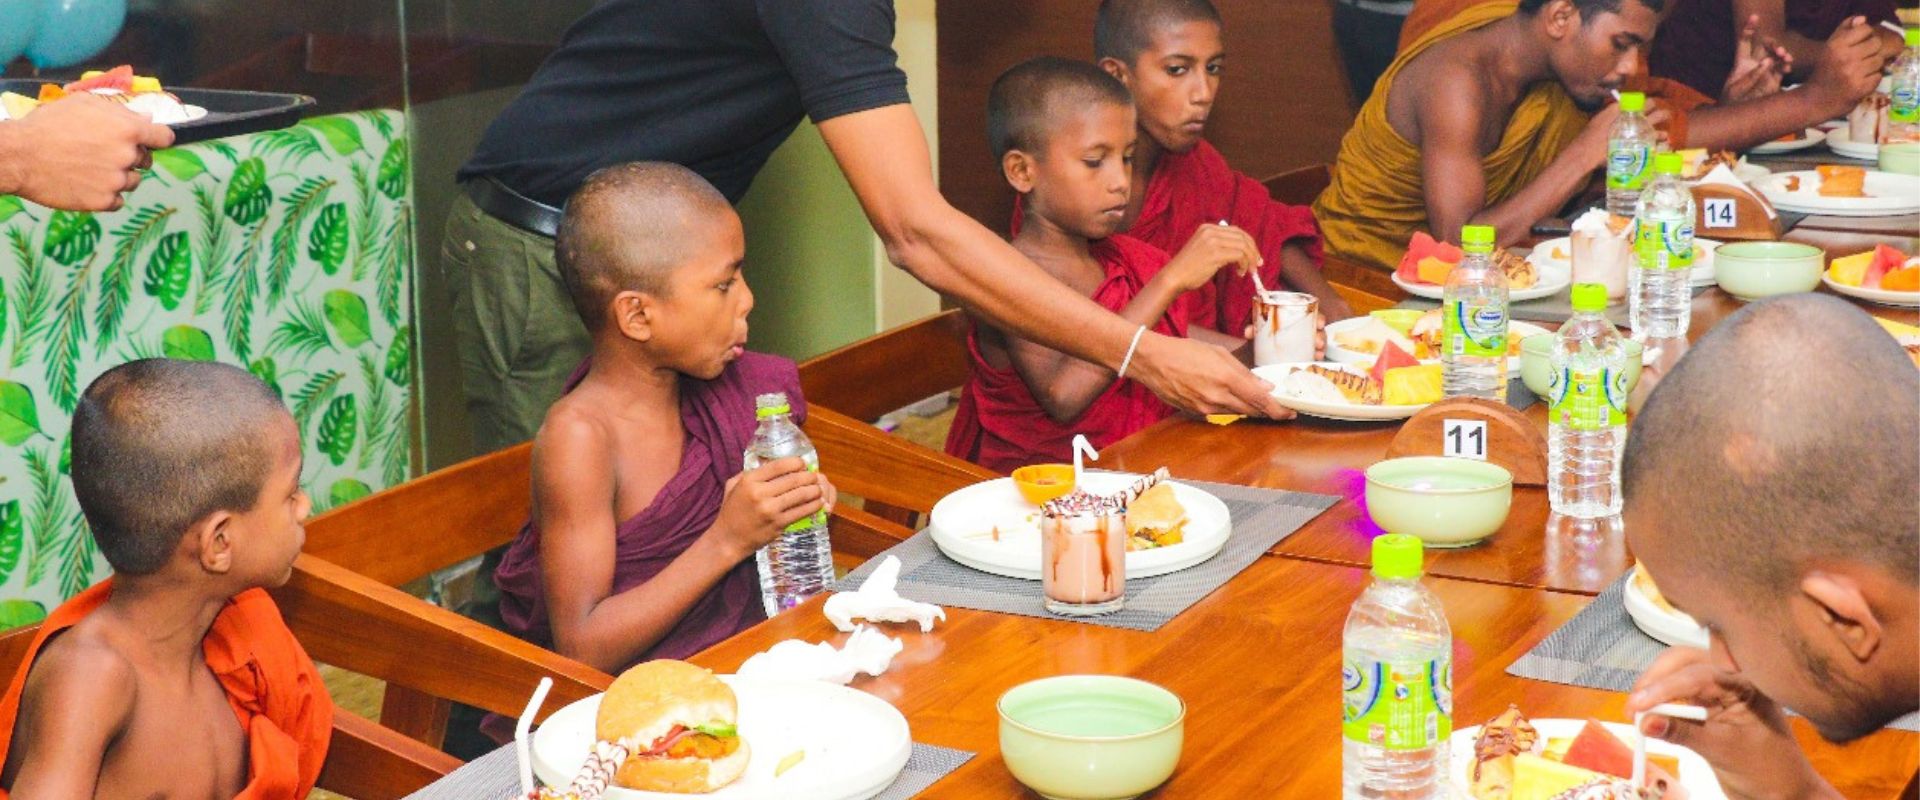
(1064,133)
(1772,489)
(1170,54)
(644,526)
(177,676)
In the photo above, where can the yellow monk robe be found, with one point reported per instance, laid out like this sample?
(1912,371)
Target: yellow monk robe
(1377,200)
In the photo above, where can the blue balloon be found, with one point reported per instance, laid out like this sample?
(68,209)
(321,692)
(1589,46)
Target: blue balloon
(23,21)
(73,31)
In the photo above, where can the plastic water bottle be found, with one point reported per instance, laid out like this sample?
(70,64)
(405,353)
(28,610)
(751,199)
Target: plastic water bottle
(1587,420)
(1629,154)
(1903,108)
(1473,347)
(798,564)
(1659,294)
(1396,677)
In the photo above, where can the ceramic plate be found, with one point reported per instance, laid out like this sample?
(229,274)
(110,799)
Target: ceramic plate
(1811,137)
(1702,275)
(1516,330)
(1347,412)
(1887,195)
(855,743)
(988,526)
(1554,279)
(1695,774)
(1840,140)
(1881,296)
(1667,627)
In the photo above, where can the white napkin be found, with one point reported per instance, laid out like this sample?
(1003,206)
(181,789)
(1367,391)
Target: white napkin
(876,601)
(866,651)
(1722,175)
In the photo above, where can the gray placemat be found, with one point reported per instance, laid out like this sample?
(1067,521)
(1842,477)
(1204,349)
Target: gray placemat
(1601,648)
(1261,518)
(495,776)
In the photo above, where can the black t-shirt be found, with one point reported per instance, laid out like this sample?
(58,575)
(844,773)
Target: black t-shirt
(714,85)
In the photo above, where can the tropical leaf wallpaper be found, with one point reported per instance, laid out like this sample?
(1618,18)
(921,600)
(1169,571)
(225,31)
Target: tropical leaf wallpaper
(288,253)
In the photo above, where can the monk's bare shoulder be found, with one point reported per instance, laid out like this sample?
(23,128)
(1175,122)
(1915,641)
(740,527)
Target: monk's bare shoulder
(78,698)
(1441,84)
(574,443)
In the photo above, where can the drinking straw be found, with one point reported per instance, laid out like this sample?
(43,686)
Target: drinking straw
(520,730)
(1674,710)
(1889,25)
(1081,446)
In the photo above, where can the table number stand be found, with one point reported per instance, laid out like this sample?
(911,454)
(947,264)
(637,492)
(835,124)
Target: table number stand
(1732,213)
(1471,427)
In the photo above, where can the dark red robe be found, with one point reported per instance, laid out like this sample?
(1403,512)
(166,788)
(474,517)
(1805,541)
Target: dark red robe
(999,424)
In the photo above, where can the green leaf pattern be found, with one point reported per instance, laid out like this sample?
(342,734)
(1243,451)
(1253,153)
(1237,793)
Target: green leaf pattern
(289,253)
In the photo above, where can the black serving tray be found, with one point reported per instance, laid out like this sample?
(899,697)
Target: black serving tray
(229,113)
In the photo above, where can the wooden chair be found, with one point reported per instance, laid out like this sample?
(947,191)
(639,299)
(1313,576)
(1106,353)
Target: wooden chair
(353,622)
(1365,289)
(849,388)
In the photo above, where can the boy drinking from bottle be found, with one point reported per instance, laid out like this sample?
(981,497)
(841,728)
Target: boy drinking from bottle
(644,525)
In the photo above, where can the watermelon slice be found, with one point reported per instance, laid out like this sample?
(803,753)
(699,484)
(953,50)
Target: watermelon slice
(1422,247)
(1597,749)
(1885,259)
(120,77)
(1391,357)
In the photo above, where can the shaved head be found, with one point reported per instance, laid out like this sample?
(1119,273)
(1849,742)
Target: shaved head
(1123,28)
(627,227)
(1787,438)
(159,444)
(1032,95)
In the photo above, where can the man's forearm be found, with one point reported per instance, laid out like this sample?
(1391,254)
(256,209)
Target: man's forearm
(1738,126)
(11,159)
(959,258)
(1513,218)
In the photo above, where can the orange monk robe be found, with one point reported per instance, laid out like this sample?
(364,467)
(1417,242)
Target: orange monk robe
(1377,198)
(1197,188)
(271,685)
(1001,426)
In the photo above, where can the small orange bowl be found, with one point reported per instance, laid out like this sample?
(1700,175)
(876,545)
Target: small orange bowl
(1042,482)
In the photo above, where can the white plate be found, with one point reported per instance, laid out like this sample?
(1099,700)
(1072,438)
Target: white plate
(1871,295)
(1340,355)
(1887,195)
(1345,412)
(1813,136)
(962,525)
(1840,140)
(1553,280)
(1695,774)
(856,743)
(1667,627)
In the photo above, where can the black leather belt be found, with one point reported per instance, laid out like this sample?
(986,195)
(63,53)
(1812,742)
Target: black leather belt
(512,207)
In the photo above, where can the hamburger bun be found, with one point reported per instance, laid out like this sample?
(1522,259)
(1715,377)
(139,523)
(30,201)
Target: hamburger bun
(646,702)
(1156,509)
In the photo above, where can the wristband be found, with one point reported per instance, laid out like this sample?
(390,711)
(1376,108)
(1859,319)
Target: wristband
(1125,362)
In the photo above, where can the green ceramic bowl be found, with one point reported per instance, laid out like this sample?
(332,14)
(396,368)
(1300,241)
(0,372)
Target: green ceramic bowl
(1752,270)
(1444,502)
(1900,157)
(1091,737)
(1536,367)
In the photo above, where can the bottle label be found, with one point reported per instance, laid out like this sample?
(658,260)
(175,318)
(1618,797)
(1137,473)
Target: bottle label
(1397,706)
(1588,400)
(1904,104)
(1475,329)
(1663,244)
(1627,164)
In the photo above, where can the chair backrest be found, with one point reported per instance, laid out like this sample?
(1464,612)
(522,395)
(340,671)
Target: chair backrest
(1299,187)
(433,521)
(890,370)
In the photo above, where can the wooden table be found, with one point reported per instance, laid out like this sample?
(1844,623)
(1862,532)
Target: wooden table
(1258,664)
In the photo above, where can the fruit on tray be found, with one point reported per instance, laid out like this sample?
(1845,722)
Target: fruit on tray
(1412,386)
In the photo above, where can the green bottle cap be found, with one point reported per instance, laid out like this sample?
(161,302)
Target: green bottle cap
(1396,556)
(1666,163)
(771,404)
(1913,37)
(1477,238)
(1633,101)
(1589,297)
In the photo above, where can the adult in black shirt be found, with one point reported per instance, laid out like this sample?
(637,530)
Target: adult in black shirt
(716,85)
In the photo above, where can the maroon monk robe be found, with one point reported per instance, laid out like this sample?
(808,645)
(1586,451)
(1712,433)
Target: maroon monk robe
(1197,188)
(719,419)
(999,424)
